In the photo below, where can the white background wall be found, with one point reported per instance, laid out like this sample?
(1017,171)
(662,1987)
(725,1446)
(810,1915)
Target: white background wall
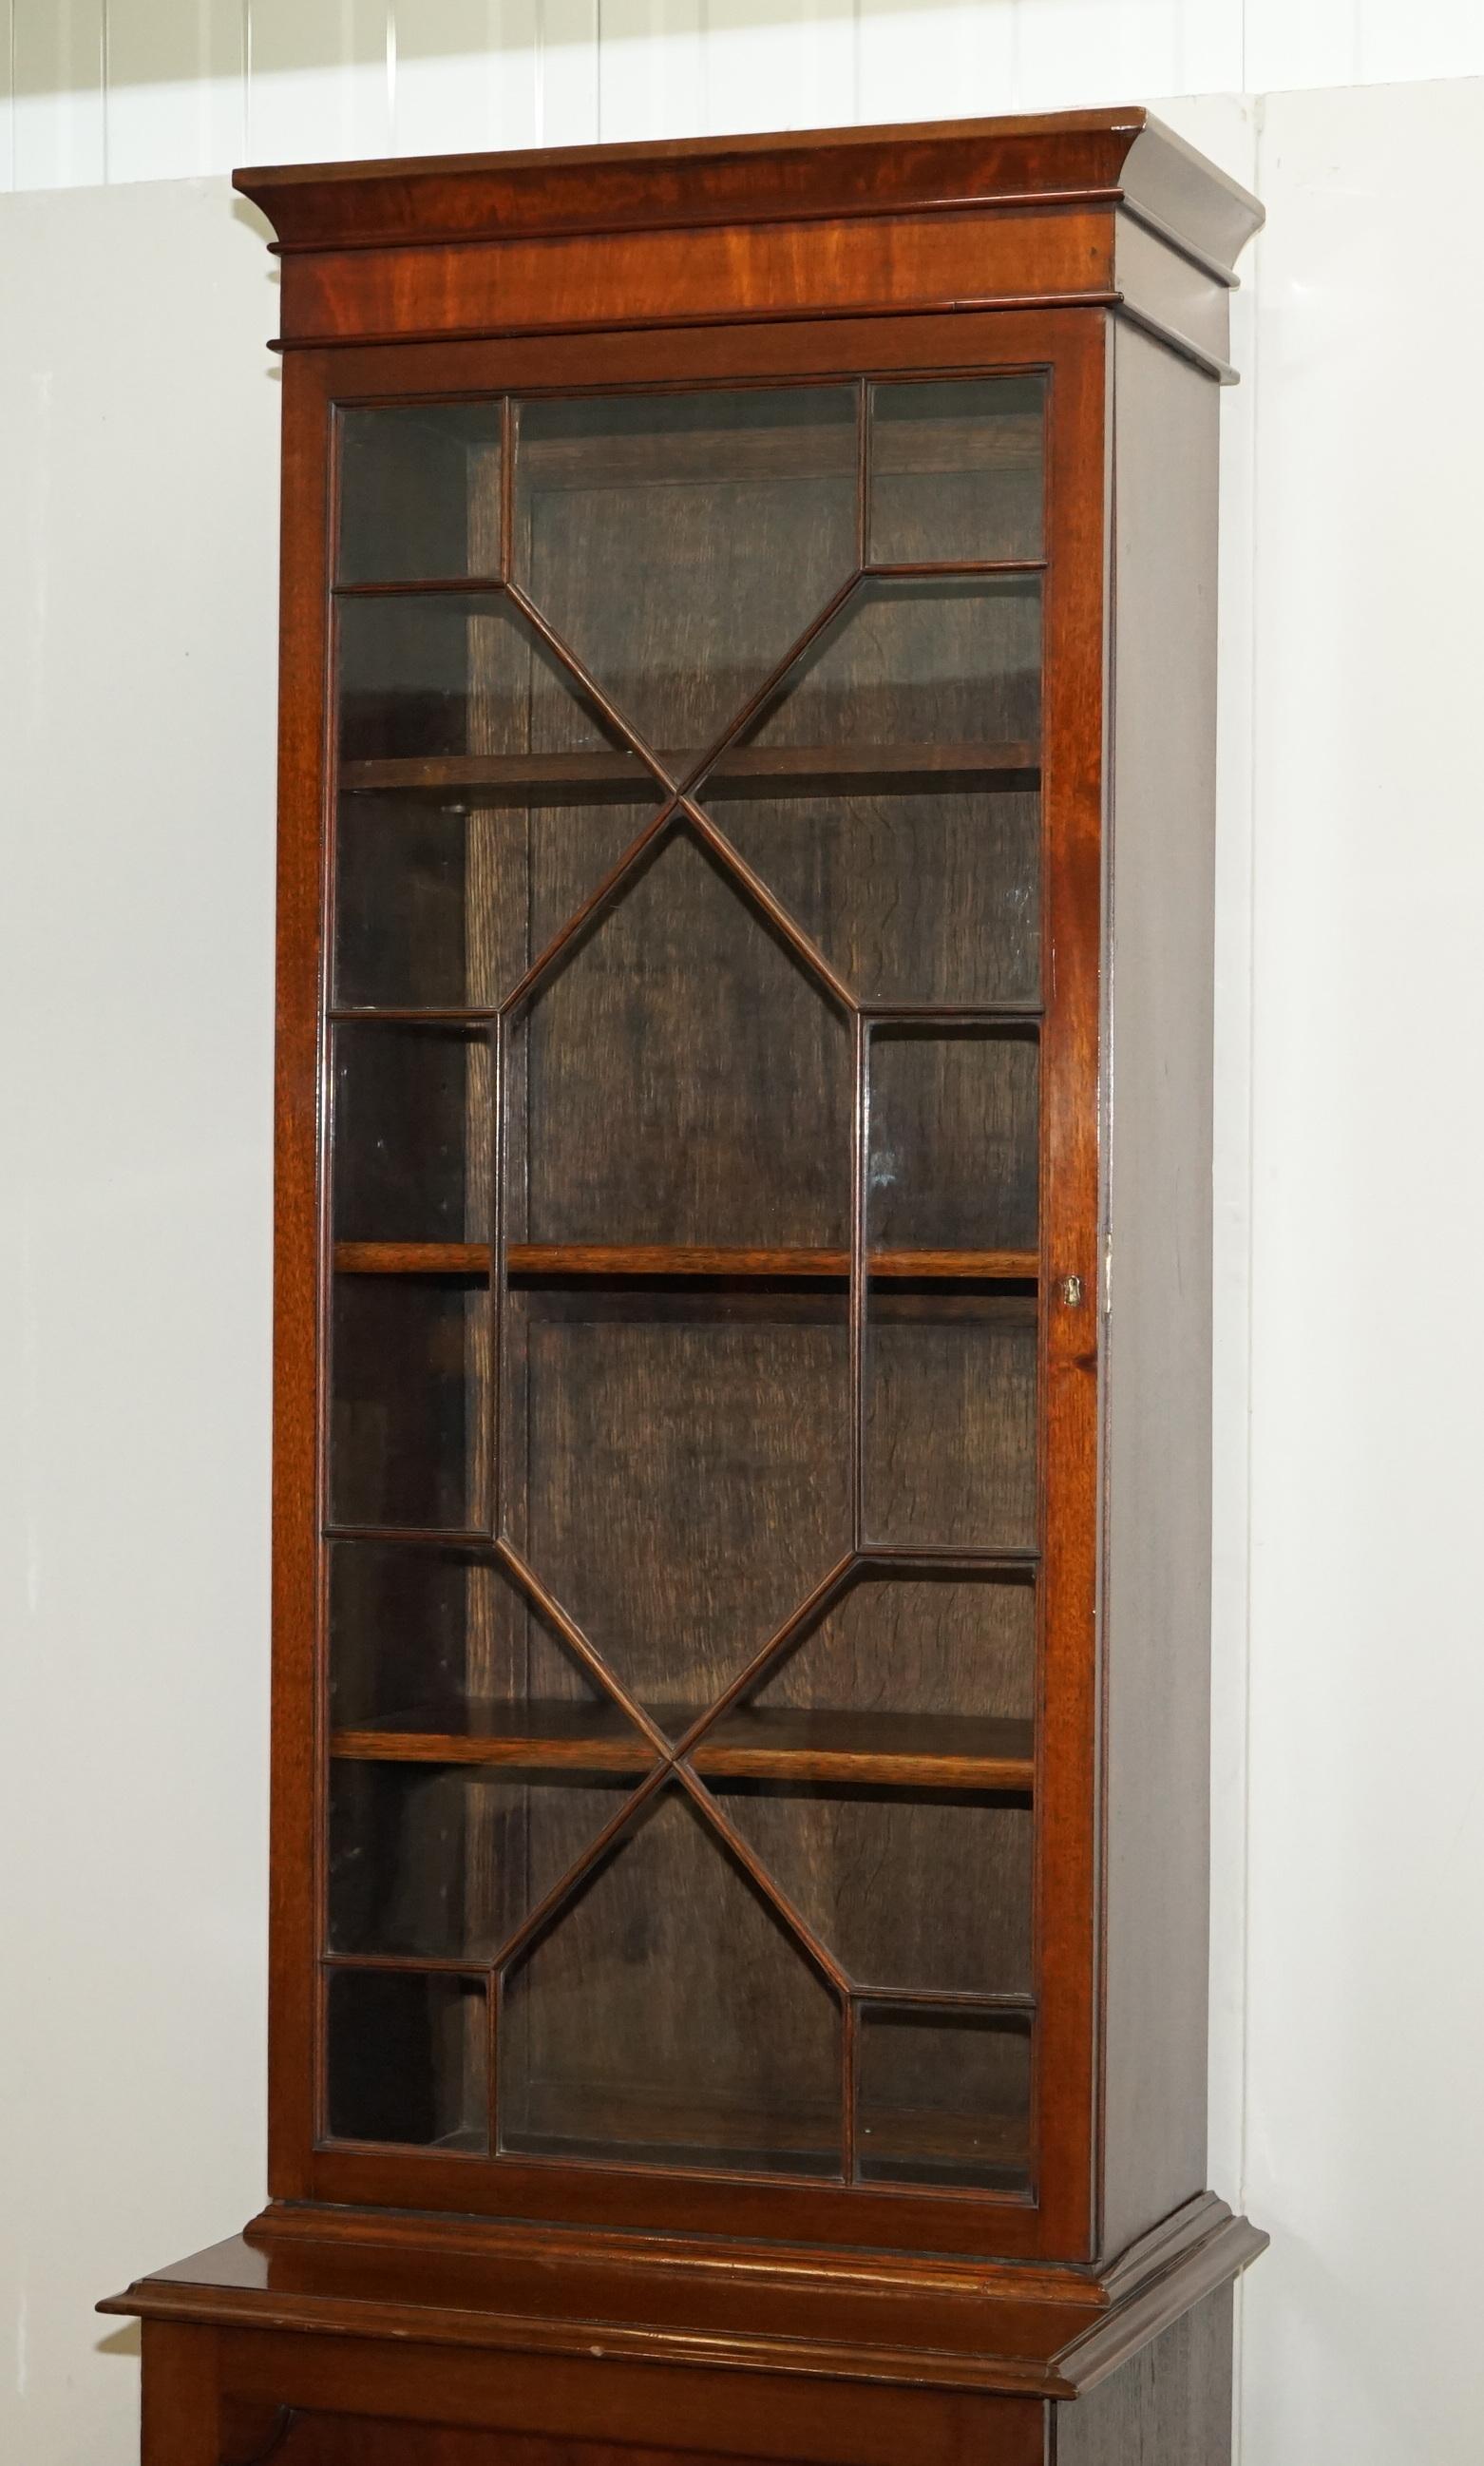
(159,89)
(138,574)
(137,445)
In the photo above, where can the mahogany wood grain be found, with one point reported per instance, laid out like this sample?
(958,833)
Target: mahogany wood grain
(1113,157)
(642,2304)
(553,1737)
(298,1507)
(592,2398)
(321,2439)
(812,768)
(1169,2406)
(413,1258)
(902,1751)
(902,262)
(1067,1838)
(670,1260)
(870,2318)
(896,2217)
(970,341)
(897,1750)
(181,2421)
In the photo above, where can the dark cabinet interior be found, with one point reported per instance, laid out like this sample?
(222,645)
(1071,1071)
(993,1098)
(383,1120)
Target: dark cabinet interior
(684,1173)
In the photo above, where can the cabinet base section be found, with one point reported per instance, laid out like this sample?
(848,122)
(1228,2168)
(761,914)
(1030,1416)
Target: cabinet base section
(389,2340)
(215,2397)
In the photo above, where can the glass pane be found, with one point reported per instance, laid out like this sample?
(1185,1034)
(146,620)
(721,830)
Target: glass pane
(484,799)
(667,2016)
(675,1467)
(955,1153)
(908,1887)
(675,1148)
(951,1364)
(944,2097)
(901,1668)
(401,927)
(445,906)
(419,492)
(950,1417)
(684,1080)
(888,794)
(450,680)
(407,2060)
(446,1860)
(409,1400)
(956,471)
(443,1642)
(415,1135)
(679,544)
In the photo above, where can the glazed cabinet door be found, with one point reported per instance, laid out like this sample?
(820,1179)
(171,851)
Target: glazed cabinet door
(684,1466)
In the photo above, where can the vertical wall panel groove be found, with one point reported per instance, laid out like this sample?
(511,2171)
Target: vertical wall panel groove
(1429,38)
(157,89)
(6,117)
(568,38)
(466,75)
(1208,47)
(175,87)
(649,67)
(318,83)
(765,65)
(1285,45)
(913,54)
(57,54)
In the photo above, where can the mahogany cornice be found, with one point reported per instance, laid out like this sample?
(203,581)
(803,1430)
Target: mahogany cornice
(1068,158)
(1038,2331)
(1081,211)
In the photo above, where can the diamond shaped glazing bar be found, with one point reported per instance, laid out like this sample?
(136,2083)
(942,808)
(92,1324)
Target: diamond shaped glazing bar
(679,789)
(586,1653)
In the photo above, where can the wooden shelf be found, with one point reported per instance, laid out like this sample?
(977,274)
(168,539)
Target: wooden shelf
(508,776)
(896,1750)
(874,1749)
(800,769)
(551,1259)
(549,1737)
(412,1258)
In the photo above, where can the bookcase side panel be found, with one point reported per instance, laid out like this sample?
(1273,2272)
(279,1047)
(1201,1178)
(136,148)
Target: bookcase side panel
(1157,1096)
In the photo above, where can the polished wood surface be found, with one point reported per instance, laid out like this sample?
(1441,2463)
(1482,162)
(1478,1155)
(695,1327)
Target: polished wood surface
(728,2350)
(901,1750)
(842,1627)
(814,768)
(878,2320)
(638,1259)
(572,1283)
(297,1279)
(353,2401)
(1095,209)
(823,175)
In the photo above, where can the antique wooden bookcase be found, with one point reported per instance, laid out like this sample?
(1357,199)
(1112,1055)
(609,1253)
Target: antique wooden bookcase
(738,1904)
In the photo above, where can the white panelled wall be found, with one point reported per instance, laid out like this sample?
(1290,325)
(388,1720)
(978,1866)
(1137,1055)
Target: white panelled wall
(106,90)
(137,445)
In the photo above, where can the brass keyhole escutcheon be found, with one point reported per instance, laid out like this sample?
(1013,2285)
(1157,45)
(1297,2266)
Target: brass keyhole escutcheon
(1070,1289)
